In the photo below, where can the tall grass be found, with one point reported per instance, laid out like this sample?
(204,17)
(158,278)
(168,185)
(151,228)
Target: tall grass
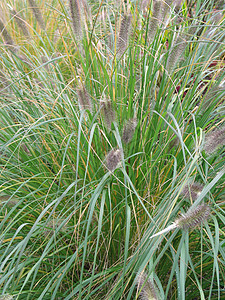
(103,144)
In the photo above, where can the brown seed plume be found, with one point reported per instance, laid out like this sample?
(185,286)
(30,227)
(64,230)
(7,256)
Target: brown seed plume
(146,287)
(75,10)
(192,190)
(123,38)
(108,113)
(113,158)
(214,140)
(84,98)
(128,130)
(193,217)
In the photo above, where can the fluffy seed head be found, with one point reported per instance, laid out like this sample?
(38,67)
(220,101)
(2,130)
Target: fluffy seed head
(155,20)
(108,113)
(84,99)
(113,158)
(124,35)
(214,140)
(128,130)
(146,287)
(194,217)
(165,9)
(37,14)
(176,52)
(75,10)
(192,190)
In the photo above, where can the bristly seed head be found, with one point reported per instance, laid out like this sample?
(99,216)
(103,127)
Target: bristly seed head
(214,140)
(113,158)
(193,217)
(124,35)
(176,52)
(192,190)
(84,99)
(146,287)
(128,130)
(108,113)
(155,20)
(75,10)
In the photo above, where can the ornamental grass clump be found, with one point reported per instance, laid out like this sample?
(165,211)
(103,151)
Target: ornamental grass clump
(214,140)
(124,33)
(192,218)
(128,130)
(192,190)
(108,113)
(146,288)
(75,10)
(113,158)
(84,98)
(37,13)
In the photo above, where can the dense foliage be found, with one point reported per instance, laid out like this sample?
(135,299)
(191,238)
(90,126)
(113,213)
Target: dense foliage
(112,130)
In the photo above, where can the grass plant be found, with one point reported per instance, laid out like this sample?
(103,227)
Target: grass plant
(99,152)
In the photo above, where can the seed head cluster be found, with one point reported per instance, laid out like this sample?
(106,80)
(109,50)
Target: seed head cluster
(124,35)
(193,217)
(155,20)
(165,8)
(146,288)
(108,113)
(113,158)
(193,190)
(214,140)
(84,99)
(176,52)
(128,130)
(75,10)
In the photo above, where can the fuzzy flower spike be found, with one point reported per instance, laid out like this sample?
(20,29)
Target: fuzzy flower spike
(128,130)
(108,113)
(84,98)
(124,35)
(192,218)
(146,287)
(214,140)
(192,190)
(113,158)
(75,10)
